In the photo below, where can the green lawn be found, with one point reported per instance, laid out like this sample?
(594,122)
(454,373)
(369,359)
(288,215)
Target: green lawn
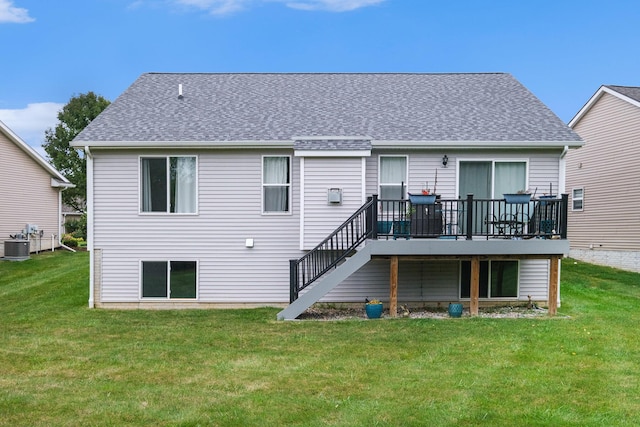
(64,364)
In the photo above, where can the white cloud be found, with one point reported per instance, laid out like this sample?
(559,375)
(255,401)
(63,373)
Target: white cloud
(30,123)
(216,7)
(224,7)
(16,15)
(331,5)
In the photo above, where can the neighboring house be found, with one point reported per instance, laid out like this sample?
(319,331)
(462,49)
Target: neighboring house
(31,194)
(604,220)
(203,187)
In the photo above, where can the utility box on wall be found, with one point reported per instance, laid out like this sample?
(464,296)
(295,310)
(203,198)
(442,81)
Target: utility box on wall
(334,195)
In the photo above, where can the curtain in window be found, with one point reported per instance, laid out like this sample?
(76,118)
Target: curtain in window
(276,184)
(393,174)
(146,186)
(510,178)
(154,185)
(184,179)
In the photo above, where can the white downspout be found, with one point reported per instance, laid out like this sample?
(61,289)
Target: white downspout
(562,176)
(562,182)
(62,245)
(87,151)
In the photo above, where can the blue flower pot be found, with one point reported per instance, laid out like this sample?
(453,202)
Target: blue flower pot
(455,310)
(422,199)
(374,311)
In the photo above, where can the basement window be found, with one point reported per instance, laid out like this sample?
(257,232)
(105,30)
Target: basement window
(498,279)
(169,279)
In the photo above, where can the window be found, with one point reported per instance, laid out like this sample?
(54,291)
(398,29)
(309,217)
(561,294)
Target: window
(169,279)
(276,184)
(487,179)
(168,184)
(498,279)
(393,177)
(577,199)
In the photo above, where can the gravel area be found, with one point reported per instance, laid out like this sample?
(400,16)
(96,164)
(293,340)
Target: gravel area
(322,312)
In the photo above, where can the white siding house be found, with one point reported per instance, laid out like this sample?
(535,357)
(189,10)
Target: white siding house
(202,198)
(30,194)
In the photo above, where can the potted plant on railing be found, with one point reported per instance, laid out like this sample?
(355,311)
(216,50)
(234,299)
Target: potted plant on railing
(373,308)
(520,197)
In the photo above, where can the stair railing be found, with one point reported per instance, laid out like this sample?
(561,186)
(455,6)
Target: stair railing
(332,250)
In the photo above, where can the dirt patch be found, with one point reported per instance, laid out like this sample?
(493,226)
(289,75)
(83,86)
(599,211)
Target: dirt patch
(321,312)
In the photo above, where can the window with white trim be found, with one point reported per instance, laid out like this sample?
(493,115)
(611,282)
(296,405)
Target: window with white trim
(498,279)
(393,177)
(276,184)
(168,184)
(169,279)
(577,199)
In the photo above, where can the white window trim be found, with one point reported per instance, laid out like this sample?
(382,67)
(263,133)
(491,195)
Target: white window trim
(573,198)
(167,157)
(263,185)
(406,182)
(168,297)
(517,297)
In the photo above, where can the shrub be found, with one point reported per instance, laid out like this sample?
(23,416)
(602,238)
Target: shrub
(70,240)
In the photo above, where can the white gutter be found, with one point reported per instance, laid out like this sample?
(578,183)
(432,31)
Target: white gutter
(90,223)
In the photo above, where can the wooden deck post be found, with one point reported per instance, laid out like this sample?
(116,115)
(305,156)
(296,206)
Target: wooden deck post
(475,285)
(393,285)
(552,302)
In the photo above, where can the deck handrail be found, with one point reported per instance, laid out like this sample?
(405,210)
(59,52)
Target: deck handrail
(462,218)
(331,251)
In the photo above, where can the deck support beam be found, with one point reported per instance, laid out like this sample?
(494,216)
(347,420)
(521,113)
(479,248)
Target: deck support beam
(552,303)
(393,287)
(474,285)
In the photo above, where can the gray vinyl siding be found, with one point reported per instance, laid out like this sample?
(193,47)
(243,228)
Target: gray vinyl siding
(417,281)
(544,170)
(229,211)
(534,279)
(322,173)
(607,168)
(27,196)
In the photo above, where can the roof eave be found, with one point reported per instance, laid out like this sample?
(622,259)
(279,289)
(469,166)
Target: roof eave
(475,145)
(594,98)
(33,154)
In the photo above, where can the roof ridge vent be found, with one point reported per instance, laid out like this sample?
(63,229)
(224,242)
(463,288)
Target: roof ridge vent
(180,96)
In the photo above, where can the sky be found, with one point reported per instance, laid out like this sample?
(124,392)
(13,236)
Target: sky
(561,50)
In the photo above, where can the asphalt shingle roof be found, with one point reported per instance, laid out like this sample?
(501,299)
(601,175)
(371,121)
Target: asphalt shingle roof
(271,107)
(632,92)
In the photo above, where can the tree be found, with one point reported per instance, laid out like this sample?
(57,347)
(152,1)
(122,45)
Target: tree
(75,116)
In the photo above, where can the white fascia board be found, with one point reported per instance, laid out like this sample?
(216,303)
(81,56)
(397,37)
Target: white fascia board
(332,153)
(474,145)
(248,144)
(59,184)
(32,153)
(331,138)
(601,91)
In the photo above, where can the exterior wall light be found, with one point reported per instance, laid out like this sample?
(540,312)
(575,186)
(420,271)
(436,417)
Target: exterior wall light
(445,160)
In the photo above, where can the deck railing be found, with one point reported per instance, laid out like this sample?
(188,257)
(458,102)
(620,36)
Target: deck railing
(472,218)
(468,218)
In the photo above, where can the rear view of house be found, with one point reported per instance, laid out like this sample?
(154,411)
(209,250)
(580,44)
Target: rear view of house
(31,198)
(226,190)
(603,217)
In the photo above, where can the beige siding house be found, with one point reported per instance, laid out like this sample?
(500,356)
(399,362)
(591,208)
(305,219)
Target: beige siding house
(226,190)
(31,194)
(604,217)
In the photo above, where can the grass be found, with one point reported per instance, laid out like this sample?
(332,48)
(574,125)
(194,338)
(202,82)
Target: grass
(64,364)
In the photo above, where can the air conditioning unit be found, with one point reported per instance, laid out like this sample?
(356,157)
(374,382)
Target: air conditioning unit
(16,250)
